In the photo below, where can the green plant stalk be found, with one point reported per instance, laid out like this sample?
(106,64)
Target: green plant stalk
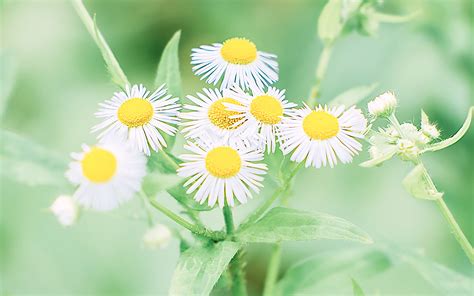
(272,271)
(170,160)
(448,216)
(320,72)
(236,266)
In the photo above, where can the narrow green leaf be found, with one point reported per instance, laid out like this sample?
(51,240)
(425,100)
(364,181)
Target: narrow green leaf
(200,267)
(179,193)
(284,224)
(163,161)
(388,154)
(113,67)
(357,289)
(156,182)
(28,163)
(330,23)
(418,184)
(168,73)
(354,95)
(448,142)
(330,269)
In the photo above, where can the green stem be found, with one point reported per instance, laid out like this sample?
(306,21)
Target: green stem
(236,266)
(272,273)
(169,159)
(320,73)
(448,216)
(199,230)
(396,125)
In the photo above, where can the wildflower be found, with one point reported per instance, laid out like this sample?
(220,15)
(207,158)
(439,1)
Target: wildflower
(262,112)
(219,171)
(323,135)
(407,149)
(138,116)
(65,209)
(383,105)
(157,237)
(236,61)
(107,174)
(427,128)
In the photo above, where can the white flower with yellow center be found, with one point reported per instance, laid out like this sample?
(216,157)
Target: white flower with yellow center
(138,116)
(236,61)
(209,115)
(261,112)
(219,172)
(323,135)
(107,174)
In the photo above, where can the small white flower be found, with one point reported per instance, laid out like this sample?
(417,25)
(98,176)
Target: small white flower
(383,105)
(65,209)
(137,116)
(236,61)
(157,237)
(323,135)
(407,149)
(219,172)
(261,112)
(427,128)
(107,174)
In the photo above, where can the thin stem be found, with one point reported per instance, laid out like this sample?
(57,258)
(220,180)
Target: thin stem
(169,159)
(396,124)
(236,266)
(272,272)
(320,73)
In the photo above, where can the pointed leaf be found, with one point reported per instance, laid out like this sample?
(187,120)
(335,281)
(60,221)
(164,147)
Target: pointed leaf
(28,163)
(200,267)
(388,154)
(330,23)
(353,95)
(419,184)
(357,289)
(284,224)
(164,162)
(448,142)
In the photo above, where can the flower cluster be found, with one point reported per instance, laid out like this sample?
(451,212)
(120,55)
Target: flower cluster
(227,129)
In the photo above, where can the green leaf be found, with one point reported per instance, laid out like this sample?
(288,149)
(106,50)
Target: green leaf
(200,267)
(164,162)
(330,23)
(113,67)
(448,142)
(419,184)
(168,73)
(386,155)
(156,182)
(354,95)
(330,269)
(28,163)
(357,289)
(179,193)
(284,224)
(7,80)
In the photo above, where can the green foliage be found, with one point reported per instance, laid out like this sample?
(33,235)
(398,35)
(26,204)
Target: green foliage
(419,184)
(28,163)
(357,289)
(179,193)
(354,95)
(168,73)
(377,161)
(200,267)
(7,80)
(306,276)
(163,161)
(284,224)
(330,23)
(156,182)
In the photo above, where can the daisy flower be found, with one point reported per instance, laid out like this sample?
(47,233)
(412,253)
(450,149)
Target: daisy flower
(323,135)
(137,116)
(261,112)
(209,115)
(219,172)
(236,61)
(107,174)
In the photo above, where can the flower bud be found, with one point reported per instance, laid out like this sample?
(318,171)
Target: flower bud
(157,237)
(427,128)
(65,209)
(407,149)
(383,105)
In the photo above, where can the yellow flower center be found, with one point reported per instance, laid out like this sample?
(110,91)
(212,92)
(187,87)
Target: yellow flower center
(320,125)
(223,162)
(239,51)
(135,112)
(266,109)
(99,165)
(219,115)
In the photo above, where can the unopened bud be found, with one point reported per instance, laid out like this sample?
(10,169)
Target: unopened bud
(383,105)
(65,209)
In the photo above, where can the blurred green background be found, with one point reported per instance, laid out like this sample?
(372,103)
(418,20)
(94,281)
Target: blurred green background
(59,78)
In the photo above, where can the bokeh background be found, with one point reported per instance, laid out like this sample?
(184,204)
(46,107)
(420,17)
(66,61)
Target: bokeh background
(59,78)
